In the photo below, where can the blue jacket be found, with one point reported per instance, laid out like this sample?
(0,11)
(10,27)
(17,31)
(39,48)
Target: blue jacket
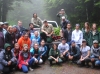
(43,50)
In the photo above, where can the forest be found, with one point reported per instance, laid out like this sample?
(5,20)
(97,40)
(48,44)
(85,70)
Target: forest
(78,11)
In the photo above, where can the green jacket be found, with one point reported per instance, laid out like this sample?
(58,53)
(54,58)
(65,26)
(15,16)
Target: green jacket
(94,37)
(87,36)
(54,53)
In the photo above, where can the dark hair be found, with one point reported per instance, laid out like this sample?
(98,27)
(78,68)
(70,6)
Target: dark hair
(54,44)
(93,24)
(31,24)
(88,25)
(34,13)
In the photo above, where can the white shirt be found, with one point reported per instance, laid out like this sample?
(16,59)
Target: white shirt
(63,47)
(77,36)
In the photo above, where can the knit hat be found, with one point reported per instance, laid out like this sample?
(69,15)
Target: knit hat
(83,40)
(72,41)
(95,41)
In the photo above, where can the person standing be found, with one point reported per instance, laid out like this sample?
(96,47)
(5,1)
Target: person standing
(77,35)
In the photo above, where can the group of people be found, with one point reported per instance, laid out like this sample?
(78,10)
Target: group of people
(24,49)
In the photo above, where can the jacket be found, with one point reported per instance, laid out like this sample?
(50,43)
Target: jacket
(21,41)
(1,41)
(43,50)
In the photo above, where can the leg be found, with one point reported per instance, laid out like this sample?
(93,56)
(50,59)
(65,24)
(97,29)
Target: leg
(87,62)
(25,68)
(31,61)
(50,60)
(6,70)
(97,63)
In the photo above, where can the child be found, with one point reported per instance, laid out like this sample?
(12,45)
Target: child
(54,55)
(7,60)
(35,53)
(24,59)
(43,51)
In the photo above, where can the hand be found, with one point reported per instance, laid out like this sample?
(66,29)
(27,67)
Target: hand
(99,57)
(71,57)
(46,33)
(64,53)
(61,55)
(56,60)
(81,59)
(9,63)
(27,63)
(92,59)
(40,56)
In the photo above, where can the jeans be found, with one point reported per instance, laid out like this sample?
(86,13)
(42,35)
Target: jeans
(97,63)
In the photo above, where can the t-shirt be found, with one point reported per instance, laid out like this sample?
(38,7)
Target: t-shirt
(84,51)
(63,47)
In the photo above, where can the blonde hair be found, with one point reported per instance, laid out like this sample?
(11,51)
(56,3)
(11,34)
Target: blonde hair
(8,29)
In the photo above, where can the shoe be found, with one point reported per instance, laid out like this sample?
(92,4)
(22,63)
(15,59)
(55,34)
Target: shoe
(31,69)
(92,67)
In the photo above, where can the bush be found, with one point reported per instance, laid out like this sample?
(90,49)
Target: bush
(57,31)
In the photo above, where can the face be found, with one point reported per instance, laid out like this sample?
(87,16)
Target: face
(95,45)
(94,26)
(19,23)
(11,29)
(35,15)
(85,25)
(16,46)
(77,27)
(8,48)
(5,26)
(83,43)
(36,34)
(55,47)
(14,29)
(25,48)
(26,36)
(68,26)
(31,26)
(46,23)
(62,11)
(36,46)
(43,43)
(63,41)
(73,44)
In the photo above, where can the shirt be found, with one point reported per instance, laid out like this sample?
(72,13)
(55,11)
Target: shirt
(63,47)
(48,28)
(85,50)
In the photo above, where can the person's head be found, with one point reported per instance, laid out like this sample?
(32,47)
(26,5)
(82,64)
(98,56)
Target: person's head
(10,29)
(25,35)
(1,26)
(69,26)
(63,40)
(14,29)
(7,47)
(42,42)
(36,33)
(63,18)
(36,46)
(5,26)
(20,23)
(95,44)
(94,26)
(34,15)
(31,25)
(25,47)
(62,11)
(77,26)
(83,42)
(55,46)
(45,22)
(73,43)
(16,46)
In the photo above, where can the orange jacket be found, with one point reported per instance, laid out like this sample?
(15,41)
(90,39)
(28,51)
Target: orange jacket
(22,41)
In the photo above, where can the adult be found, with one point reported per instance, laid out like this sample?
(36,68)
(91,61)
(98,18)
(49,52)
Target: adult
(47,31)
(85,54)
(63,48)
(74,52)
(36,20)
(95,34)
(24,39)
(86,33)
(95,54)
(31,28)
(10,36)
(68,33)
(54,55)
(61,13)
(1,37)
(7,60)
(77,35)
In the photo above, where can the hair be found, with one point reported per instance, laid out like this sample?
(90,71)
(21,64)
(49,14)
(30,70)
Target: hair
(88,25)
(16,44)
(54,44)
(19,21)
(8,29)
(94,24)
(31,24)
(34,13)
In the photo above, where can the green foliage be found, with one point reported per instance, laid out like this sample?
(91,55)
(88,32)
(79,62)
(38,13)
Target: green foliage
(57,31)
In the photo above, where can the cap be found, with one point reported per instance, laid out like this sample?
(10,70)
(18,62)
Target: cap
(6,23)
(1,23)
(72,41)
(45,21)
(63,17)
(62,9)
(95,41)
(83,40)
(77,24)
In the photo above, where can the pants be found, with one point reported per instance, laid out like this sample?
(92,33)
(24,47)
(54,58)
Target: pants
(25,67)
(38,59)
(97,63)
(50,60)
(44,57)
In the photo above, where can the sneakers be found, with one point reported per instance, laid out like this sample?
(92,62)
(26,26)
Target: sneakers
(31,69)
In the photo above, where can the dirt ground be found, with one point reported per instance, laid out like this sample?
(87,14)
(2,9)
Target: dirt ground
(66,68)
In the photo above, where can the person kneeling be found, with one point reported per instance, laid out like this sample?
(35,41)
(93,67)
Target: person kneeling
(35,53)
(74,52)
(54,55)
(7,60)
(25,63)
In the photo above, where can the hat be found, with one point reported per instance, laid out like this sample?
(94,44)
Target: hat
(1,23)
(45,21)
(95,41)
(83,40)
(63,17)
(77,24)
(6,23)
(63,39)
(72,41)
(62,9)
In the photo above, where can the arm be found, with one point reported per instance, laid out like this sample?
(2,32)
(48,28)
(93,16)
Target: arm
(78,52)
(44,51)
(20,43)
(67,48)
(13,57)
(94,53)
(43,30)
(87,55)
